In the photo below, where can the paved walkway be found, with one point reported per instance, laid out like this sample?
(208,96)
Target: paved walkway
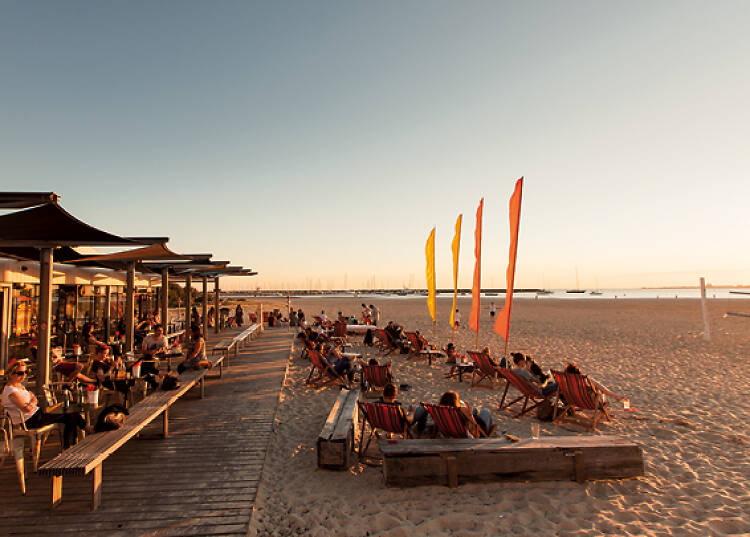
(201,480)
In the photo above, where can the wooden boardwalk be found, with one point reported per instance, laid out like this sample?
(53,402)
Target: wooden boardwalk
(202,480)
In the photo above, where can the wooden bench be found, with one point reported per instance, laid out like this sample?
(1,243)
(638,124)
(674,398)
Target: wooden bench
(89,454)
(226,345)
(336,441)
(549,458)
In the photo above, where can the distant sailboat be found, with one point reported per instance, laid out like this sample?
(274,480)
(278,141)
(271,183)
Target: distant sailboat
(578,286)
(596,292)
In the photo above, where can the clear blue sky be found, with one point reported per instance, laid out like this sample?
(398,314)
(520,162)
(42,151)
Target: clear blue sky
(319,142)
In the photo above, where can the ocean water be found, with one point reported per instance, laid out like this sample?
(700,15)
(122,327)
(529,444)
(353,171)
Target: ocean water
(606,294)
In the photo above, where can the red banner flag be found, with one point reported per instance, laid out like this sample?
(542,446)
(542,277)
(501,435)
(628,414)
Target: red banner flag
(476,288)
(502,324)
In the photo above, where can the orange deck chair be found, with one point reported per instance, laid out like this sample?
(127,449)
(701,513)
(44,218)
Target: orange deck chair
(450,422)
(528,392)
(578,394)
(483,370)
(325,373)
(381,417)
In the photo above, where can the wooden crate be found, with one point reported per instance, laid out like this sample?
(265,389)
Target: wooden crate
(336,440)
(550,458)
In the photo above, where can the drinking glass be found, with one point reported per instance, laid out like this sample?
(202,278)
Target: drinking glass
(535,430)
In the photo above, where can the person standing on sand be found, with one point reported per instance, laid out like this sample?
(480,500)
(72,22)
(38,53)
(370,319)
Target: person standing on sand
(301,317)
(238,315)
(457,319)
(492,310)
(374,315)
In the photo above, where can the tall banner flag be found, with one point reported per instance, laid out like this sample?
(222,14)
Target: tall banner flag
(429,252)
(477,286)
(502,324)
(455,246)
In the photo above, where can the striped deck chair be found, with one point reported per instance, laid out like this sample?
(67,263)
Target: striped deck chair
(381,417)
(374,379)
(416,345)
(325,373)
(577,393)
(483,370)
(528,392)
(451,423)
(384,341)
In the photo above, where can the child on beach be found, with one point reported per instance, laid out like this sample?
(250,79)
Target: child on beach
(457,319)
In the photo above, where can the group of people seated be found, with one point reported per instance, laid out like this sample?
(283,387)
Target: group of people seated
(479,421)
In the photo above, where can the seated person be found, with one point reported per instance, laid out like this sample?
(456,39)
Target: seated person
(475,419)
(195,356)
(154,346)
(423,343)
(22,407)
(90,341)
(521,370)
(453,358)
(503,362)
(395,336)
(69,371)
(342,365)
(390,392)
(601,388)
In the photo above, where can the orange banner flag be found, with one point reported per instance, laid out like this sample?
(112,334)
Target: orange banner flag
(455,246)
(502,324)
(476,288)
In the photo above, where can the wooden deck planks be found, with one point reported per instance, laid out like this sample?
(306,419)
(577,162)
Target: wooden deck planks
(202,480)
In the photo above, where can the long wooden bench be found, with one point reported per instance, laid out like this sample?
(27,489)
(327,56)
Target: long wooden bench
(89,454)
(225,346)
(336,441)
(549,458)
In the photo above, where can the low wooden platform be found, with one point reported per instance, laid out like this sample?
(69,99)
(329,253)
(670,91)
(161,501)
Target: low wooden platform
(549,458)
(336,440)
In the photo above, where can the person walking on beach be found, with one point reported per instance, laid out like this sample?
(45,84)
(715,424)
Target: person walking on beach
(238,315)
(374,315)
(492,310)
(366,315)
(301,317)
(457,319)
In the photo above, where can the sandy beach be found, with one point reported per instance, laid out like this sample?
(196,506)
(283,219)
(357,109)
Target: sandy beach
(692,411)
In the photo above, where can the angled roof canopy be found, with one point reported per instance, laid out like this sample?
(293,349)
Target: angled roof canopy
(49,225)
(64,254)
(155,252)
(23,200)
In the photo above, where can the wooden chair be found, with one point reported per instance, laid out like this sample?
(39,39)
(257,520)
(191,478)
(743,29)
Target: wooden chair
(14,436)
(325,373)
(483,370)
(381,417)
(374,379)
(451,422)
(578,394)
(528,392)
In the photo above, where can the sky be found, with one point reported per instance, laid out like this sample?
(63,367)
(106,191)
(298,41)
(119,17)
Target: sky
(319,142)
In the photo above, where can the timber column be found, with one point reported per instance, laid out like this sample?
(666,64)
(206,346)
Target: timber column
(130,307)
(165,299)
(188,302)
(45,318)
(205,306)
(217,317)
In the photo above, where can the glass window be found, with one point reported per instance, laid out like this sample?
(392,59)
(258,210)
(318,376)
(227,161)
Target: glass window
(23,340)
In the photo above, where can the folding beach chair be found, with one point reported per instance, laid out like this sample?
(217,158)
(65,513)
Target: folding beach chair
(384,341)
(483,370)
(374,379)
(578,394)
(325,373)
(528,392)
(451,423)
(381,417)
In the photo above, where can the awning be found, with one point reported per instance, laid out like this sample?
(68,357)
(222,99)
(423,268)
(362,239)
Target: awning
(24,200)
(155,252)
(49,225)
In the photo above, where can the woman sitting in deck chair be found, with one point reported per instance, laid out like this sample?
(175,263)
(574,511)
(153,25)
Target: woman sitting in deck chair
(600,388)
(478,422)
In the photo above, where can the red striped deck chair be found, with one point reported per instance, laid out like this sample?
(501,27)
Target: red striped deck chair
(375,377)
(381,417)
(528,392)
(451,423)
(483,370)
(384,341)
(578,394)
(416,345)
(320,372)
(307,346)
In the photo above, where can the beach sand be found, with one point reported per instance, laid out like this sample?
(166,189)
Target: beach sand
(692,401)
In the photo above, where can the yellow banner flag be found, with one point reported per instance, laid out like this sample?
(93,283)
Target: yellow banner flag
(429,252)
(455,246)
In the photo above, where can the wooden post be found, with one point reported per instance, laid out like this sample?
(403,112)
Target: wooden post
(107,313)
(165,299)
(289,312)
(216,305)
(56,490)
(96,488)
(45,318)
(260,315)
(704,309)
(130,307)
(165,428)
(205,306)
(188,300)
